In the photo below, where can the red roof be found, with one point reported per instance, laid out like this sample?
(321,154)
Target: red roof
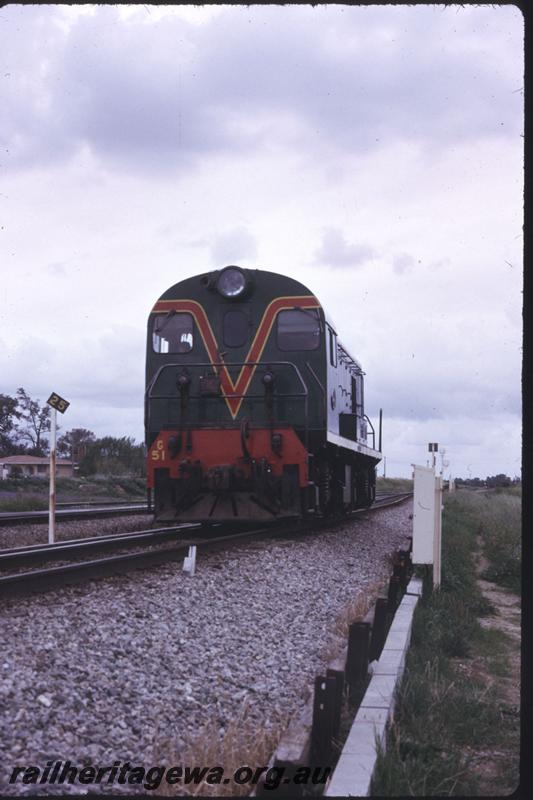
(33,460)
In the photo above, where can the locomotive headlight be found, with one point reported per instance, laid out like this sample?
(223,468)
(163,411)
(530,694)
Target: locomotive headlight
(231,282)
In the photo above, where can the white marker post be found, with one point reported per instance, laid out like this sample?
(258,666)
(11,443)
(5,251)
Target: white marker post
(58,404)
(52,503)
(189,562)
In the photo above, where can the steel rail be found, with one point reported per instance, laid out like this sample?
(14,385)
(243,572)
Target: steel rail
(42,551)
(21,517)
(43,579)
(103,503)
(27,554)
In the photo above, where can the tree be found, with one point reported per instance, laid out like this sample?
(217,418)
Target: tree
(112,456)
(9,413)
(498,480)
(74,443)
(35,422)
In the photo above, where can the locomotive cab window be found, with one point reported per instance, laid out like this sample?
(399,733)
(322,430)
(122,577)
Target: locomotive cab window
(357,395)
(235,328)
(298,329)
(172,333)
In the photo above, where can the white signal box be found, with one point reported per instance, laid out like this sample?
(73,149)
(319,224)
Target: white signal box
(427,507)
(423,515)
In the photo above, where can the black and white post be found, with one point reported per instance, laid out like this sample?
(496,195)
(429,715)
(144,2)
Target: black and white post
(61,405)
(52,503)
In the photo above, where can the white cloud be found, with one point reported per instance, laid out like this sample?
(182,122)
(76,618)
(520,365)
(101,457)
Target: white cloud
(335,251)
(237,245)
(358,149)
(348,79)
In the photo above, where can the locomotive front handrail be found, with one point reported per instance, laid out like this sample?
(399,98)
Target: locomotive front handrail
(214,365)
(373,431)
(321,387)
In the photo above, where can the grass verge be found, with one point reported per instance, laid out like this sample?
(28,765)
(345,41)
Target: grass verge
(455,732)
(26,502)
(31,494)
(394,485)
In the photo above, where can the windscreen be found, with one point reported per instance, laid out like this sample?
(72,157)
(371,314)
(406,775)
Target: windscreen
(173,333)
(298,329)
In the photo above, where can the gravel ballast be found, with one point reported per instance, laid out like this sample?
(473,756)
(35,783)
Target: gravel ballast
(37,533)
(129,668)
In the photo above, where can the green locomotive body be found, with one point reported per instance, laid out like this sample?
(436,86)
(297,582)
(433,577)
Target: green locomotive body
(253,409)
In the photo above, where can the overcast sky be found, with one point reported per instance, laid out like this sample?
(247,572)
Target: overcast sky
(374,153)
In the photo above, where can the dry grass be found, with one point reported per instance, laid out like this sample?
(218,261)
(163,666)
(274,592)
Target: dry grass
(394,485)
(357,608)
(354,611)
(498,517)
(244,743)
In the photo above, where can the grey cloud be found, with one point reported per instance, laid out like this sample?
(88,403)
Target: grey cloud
(89,377)
(402,262)
(422,393)
(160,95)
(335,251)
(233,246)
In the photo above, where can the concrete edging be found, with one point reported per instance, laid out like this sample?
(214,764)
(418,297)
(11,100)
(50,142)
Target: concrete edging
(353,774)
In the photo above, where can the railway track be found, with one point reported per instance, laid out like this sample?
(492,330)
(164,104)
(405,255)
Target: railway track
(158,546)
(66,513)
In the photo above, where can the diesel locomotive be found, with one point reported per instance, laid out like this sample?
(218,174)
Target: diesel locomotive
(254,410)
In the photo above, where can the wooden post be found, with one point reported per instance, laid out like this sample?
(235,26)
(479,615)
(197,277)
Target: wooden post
(338,676)
(403,568)
(379,628)
(358,651)
(323,719)
(393,594)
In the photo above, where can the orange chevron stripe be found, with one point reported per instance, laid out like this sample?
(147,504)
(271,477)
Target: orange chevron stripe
(240,387)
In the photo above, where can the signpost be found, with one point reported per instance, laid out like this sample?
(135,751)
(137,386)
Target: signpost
(61,405)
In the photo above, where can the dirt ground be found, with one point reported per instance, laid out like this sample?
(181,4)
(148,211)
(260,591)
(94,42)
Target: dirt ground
(497,767)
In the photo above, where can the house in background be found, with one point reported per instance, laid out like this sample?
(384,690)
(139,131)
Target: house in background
(34,466)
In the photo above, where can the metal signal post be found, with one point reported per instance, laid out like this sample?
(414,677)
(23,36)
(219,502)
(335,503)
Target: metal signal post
(61,405)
